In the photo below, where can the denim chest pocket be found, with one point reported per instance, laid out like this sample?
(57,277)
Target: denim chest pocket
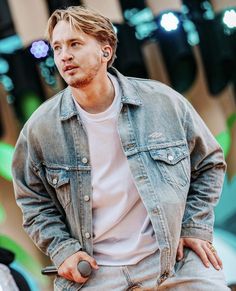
(173,163)
(60,181)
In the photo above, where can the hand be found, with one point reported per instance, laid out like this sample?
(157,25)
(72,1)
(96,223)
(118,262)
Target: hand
(203,249)
(68,269)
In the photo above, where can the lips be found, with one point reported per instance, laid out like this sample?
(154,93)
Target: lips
(69,68)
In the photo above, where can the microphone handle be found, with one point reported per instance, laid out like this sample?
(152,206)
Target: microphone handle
(83,267)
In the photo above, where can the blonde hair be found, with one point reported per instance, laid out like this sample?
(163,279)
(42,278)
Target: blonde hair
(88,21)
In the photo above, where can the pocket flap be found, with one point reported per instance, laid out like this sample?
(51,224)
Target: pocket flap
(170,155)
(57,177)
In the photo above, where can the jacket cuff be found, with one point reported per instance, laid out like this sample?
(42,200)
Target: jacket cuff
(65,250)
(197,231)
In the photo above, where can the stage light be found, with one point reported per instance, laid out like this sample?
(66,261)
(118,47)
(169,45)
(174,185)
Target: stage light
(214,42)
(169,21)
(7,83)
(10,44)
(179,62)
(39,49)
(50,62)
(145,30)
(129,55)
(4,66)
(47,70)
(136,17)
(27,91)
(139,16)
(229,18)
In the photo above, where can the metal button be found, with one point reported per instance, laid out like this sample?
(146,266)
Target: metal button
(170,157)
(87,235)
(163,277)
(84,160)
(86,198)
(54,181)
(155,211)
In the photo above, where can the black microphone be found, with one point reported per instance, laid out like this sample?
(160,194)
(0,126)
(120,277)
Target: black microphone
(83,267)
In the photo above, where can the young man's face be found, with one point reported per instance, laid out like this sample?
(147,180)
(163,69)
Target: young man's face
(78,56)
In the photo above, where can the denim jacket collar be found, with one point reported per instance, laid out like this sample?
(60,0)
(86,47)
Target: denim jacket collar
(68,108)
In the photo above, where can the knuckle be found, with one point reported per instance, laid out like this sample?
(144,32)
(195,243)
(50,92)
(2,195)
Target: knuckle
(60,272)
(93,261)
(195,244)
(71,266)
(79,279)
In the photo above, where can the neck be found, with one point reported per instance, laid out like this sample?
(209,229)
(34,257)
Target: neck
(97,96)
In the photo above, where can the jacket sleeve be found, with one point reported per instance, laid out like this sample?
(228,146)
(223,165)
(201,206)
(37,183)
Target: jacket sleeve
(207,175)
(42,220)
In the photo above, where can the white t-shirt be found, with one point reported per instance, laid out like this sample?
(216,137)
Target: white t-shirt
(122,231)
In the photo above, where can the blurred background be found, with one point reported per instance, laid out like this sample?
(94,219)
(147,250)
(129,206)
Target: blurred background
(189,45)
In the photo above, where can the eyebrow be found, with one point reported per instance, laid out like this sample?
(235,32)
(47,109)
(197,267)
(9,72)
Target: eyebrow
(68,40)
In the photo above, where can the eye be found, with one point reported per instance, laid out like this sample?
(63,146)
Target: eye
(56,48)
(75,44)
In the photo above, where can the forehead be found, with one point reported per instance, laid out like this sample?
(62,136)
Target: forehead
(63,32)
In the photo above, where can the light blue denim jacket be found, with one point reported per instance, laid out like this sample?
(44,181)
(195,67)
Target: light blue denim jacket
(177,166)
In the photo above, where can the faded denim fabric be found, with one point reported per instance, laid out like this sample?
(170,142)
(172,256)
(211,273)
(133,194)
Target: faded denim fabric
(190,275)
(177,166)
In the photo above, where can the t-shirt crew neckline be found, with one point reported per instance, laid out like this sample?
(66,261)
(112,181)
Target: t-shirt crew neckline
(109,113)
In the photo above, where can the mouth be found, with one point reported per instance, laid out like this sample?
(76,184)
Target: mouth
(69,69)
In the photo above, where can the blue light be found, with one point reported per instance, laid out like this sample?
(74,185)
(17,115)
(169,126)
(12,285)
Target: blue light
(4,66)
(10,44)
(137,17)
(50,62)
(229,18)
(145,29)
(169,21)
(7,82)
(39,49)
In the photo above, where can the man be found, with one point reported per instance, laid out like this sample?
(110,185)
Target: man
(117,171)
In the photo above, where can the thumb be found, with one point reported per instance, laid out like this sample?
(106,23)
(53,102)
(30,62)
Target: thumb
(180,253)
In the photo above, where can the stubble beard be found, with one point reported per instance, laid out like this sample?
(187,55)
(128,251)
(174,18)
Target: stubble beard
(83,81)
(80,82)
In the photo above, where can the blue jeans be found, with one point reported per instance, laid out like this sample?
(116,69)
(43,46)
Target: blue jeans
(190,275)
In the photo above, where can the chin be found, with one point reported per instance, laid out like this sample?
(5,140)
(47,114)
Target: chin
(71,81)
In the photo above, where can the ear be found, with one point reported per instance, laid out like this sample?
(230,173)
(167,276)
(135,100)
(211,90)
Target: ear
(106,52)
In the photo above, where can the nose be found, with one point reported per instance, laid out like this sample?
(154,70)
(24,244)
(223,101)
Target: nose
(66,55)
